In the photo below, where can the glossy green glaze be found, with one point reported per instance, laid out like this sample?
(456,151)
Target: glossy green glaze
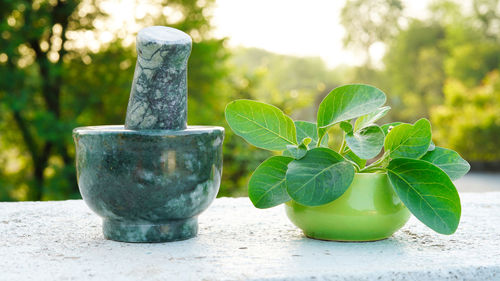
(369,210)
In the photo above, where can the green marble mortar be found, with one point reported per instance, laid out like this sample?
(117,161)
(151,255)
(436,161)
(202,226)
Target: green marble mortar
(150,179)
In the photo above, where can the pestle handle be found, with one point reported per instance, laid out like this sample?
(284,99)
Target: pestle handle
(158,98)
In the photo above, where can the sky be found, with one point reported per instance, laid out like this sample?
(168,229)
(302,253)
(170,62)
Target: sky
(293,28)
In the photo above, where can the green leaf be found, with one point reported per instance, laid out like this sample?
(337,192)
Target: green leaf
(370,118)
(354,158)
(449,161)
(261,124)
(406,140)
(348,102)
(298,151)
(367,142)
(267,186)
(427,192)
(308,129)
(346,126)
(387,127)
(319,178)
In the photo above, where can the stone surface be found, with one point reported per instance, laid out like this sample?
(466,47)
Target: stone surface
(149,185)
(158,98)
(63,241)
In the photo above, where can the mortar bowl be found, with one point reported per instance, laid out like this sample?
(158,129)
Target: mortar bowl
(148,185)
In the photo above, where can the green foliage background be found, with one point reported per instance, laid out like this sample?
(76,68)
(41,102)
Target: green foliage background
(445,67)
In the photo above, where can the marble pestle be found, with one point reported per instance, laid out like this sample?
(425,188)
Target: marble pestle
(151,178)
(158,99)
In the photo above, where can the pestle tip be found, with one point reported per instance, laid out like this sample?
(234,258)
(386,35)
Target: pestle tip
(163,35)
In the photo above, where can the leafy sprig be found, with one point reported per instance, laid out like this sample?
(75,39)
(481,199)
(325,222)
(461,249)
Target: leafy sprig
(312,174)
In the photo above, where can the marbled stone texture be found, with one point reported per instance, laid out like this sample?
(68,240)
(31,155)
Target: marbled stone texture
(158,98)
(149,185)
(151,178)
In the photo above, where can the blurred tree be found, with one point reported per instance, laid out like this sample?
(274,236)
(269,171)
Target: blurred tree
(487,12)
(469,119)
(368,22)
(472,41)
(450,44)
(414,70)
(51,83)
(33,35)
(444,67)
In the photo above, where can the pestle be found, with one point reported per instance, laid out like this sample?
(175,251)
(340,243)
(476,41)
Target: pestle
(150,178)
(158,99)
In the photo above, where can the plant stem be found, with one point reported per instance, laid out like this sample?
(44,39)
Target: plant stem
(342,146)
(356,166)
(376,165)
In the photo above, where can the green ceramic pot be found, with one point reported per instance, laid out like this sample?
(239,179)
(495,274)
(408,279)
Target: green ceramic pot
(369,210)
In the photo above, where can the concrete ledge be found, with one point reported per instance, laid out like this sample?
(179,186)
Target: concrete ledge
(63,241)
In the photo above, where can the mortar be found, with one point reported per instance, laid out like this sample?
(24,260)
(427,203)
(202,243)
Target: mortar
(152,177)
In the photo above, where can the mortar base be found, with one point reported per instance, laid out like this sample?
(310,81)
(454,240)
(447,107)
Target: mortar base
(133,232)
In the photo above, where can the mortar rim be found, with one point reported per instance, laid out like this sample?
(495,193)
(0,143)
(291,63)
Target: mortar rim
(120,129)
